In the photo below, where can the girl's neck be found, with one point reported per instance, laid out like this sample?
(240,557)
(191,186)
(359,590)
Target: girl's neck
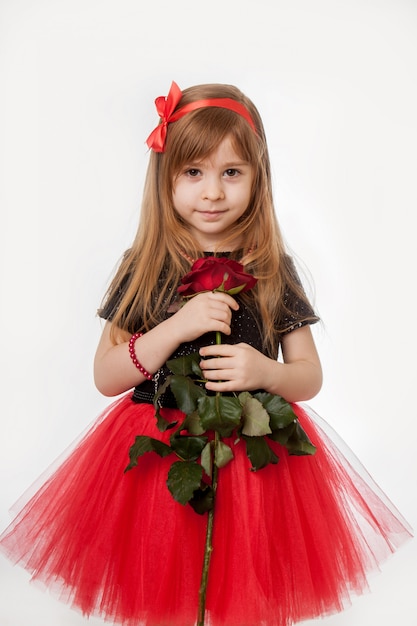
(210,243)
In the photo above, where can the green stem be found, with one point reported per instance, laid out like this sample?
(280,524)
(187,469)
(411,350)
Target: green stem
(209,544)
(208,549)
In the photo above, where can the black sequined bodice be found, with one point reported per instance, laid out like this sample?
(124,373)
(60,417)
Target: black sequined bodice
(244,329)
(245,326)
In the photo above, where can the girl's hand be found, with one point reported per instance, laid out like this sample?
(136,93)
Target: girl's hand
(203,313)
(237,367)
(114,371)
(243,368)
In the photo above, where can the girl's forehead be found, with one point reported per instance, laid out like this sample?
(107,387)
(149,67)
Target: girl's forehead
(225,152)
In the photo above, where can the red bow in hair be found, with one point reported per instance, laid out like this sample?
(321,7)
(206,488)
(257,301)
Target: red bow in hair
(166,106)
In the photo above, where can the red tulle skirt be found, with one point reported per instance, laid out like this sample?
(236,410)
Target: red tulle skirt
(291,541)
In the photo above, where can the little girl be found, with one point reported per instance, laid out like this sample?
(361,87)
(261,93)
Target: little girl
(290,541)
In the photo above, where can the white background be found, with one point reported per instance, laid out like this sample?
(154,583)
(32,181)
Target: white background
(335,83)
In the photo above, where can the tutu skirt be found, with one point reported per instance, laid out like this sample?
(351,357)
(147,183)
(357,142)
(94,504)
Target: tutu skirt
(290,542)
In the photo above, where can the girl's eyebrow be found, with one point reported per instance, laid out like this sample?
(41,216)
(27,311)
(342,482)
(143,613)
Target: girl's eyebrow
(234,163)
(228,164)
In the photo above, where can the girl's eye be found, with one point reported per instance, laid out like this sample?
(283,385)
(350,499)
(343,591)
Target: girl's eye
(231,172)
(193,172)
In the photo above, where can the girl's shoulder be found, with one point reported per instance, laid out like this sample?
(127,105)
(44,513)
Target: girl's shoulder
(297,309)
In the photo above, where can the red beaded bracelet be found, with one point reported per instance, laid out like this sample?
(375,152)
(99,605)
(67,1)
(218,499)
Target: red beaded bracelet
(133,356)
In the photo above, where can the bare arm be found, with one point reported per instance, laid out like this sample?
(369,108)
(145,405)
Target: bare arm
(241,367)
(114,371)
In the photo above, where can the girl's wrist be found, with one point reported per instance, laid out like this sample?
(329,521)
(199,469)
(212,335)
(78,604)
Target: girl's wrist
(271,375)
(172,331)
(134,358)
(295,382)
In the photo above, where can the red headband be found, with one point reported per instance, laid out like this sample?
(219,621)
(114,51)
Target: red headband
(166,105)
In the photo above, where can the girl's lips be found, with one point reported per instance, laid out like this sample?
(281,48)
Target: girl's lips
(210,215)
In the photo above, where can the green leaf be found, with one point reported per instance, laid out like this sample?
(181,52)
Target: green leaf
(255,418)
(207,459)
(234,290)
(184,478)
(161,423)
(281,435)
(259,453)
(192,424)
(299,443)
(145,444)
(223,454)
(186,393)
(188,447)
(187,365)
(197,371)
(294,438)
(280,411)
(220,413)
(203,499)
(221,287)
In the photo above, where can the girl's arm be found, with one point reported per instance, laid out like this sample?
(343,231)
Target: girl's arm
(243,368)
(114,372)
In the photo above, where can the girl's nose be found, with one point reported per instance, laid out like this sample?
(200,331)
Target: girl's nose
(213,190)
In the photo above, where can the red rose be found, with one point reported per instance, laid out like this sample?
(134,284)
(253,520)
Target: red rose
(216,274)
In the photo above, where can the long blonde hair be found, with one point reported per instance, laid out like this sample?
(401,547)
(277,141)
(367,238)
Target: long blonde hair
(163,237)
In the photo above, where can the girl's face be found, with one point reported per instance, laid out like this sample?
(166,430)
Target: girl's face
(212,194)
